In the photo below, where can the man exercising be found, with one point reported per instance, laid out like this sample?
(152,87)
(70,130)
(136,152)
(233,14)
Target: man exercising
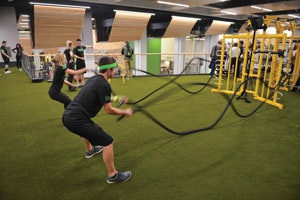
(96,94)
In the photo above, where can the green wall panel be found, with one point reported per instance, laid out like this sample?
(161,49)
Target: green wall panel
(153,61)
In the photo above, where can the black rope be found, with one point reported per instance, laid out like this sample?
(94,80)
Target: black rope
(139,108)
(168,83)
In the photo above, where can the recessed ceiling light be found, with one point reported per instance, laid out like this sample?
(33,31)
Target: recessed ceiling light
(269,10)
(256,7)
(227,12)
(185,18)
(59,5)
(173,4)
(293,16)
(132,13)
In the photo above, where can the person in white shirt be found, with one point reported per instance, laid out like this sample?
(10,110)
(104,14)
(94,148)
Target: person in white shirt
(235,52)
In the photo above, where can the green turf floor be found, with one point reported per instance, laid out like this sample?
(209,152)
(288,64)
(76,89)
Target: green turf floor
(254,158)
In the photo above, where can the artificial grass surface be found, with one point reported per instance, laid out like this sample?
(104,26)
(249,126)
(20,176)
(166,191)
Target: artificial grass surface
(241,158)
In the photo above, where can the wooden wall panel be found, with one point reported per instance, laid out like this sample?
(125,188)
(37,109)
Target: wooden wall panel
(128,26)
(55,25)
(243,28)
(53,50)
(180,27)
(25,41)
(218,27)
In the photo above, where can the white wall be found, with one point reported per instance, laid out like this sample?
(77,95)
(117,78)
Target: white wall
(87,39)
(8,29)
(167,46)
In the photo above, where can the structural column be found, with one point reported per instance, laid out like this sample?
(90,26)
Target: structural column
(179,58)
(140,48)
(87,40)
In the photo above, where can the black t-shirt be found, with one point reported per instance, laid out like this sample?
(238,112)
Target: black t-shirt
(58,78)
(67,52)
(91,98)
(79,51)
(241,51)
(5,51)
(18,51)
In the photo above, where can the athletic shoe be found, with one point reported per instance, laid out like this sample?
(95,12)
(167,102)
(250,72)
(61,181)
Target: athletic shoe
(20,69)
(73,89)
(7,72)
(119,177)
(94,151)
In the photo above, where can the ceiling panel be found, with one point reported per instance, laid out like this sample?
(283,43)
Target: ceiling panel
(279,6)
(55,25)
(243,28)
(218,27)
(180,27)
(210,8)
(128,26)
(203,8)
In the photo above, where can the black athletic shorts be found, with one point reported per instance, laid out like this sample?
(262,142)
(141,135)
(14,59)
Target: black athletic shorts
(60,97)
(80,64)
(86,128)
(70,65)
(6,60)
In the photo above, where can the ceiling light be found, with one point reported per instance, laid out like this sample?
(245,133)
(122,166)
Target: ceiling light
(268,10)
(227,12)
(293,16)
(132,13)
(59,5)
(256,7)
(23,23)
(185,18)
(25,20)
(25,15)
(173,4)
(260,8)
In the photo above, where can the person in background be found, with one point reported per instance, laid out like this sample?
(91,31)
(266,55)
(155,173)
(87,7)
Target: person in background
(233,60)
(95,95)
(127,52)
(59,71)
(215,57)
(241,55)
(297,84)
(18,50)
(55,93)
(5,56)
(70,63)
(294,51)
(80,62)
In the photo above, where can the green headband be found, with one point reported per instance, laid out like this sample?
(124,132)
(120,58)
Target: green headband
(108,66)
